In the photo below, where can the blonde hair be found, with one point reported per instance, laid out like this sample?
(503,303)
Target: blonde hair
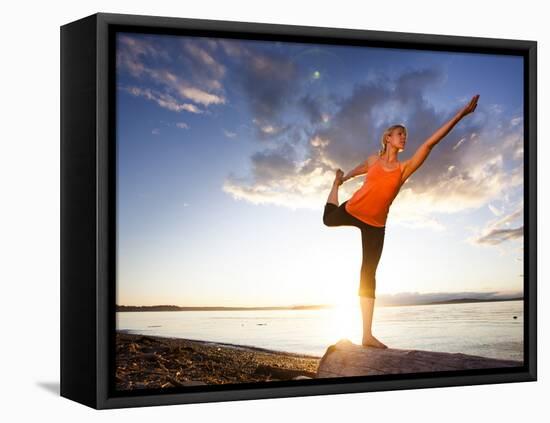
(387,132)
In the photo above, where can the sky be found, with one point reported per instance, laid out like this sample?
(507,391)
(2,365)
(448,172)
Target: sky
(226,152)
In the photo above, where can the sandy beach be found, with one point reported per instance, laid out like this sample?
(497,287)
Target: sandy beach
(145,362)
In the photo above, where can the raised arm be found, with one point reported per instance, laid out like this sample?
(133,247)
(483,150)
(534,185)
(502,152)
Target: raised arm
(411,165)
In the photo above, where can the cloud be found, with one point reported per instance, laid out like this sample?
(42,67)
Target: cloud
(268,83)
(182,125)
(277,177)
(163,100)
(199,96)
(229,134)
(206,59)
(478,162)
(459,189)
(233,48)
(273,165)
(267,130)
(132,52)
(475,164)
(498,230)
(312,109)
(155,61)
(494,210)
(304,191)
(498,236)
(507,219)
(459,143)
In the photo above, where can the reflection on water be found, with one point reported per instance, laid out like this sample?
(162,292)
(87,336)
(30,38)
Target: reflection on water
(486,329)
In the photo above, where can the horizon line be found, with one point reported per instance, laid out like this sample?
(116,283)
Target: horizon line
(419,301)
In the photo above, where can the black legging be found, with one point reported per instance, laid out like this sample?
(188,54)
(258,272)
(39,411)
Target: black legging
(372,238)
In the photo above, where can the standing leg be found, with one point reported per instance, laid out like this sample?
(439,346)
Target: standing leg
(373,241)
(333,196)
(367,309)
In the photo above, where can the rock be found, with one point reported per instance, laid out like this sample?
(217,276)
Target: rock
(347,359)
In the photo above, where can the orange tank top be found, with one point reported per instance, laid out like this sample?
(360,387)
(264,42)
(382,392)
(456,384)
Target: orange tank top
(371,203)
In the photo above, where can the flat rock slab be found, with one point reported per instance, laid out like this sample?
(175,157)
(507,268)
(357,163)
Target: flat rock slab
(347,359)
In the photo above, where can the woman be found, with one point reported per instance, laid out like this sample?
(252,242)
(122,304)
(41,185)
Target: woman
(368,207)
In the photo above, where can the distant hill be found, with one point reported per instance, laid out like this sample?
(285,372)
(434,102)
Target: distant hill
(178,308)
(434,298)
(406,302)
(473,300)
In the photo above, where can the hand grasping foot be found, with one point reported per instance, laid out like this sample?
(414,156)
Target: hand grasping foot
(339,178)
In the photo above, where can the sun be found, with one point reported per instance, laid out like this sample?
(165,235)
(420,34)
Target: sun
(345,321)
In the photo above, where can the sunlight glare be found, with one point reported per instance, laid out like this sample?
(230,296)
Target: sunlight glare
(345,322)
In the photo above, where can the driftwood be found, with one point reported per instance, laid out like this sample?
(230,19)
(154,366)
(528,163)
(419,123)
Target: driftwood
(347,359)
(282,373)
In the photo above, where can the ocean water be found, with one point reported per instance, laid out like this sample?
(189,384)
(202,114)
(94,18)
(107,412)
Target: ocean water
(486,329)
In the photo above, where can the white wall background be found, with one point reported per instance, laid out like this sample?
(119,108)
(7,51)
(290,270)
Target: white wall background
(29,348)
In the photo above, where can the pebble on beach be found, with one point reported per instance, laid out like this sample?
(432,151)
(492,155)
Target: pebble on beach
(150,362)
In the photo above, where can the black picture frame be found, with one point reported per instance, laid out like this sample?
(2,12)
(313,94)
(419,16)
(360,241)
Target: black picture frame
(88,197)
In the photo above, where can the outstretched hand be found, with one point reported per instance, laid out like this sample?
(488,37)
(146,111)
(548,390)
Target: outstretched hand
(470,107)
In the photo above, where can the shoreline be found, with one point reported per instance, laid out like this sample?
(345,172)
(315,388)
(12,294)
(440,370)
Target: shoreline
(240,347)
(149,362)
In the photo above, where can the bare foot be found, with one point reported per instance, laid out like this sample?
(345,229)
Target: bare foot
(339,178)
(371,341)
